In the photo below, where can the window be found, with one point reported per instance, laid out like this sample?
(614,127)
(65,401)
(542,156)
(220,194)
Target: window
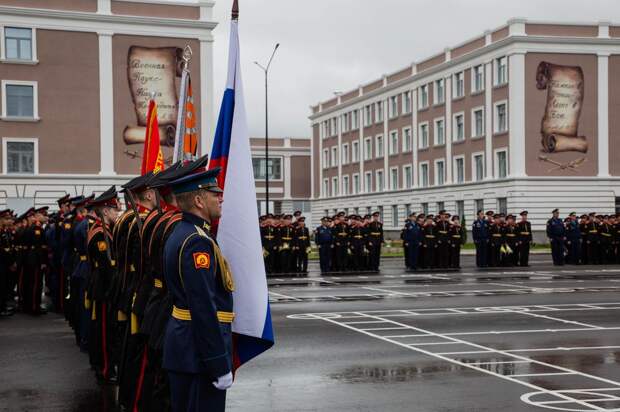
(440,172)
(345,185)
(334,186)
(458,133)
(325,189)
(380,210)
(379,183)
(18,43)
(325,159)
(501,167)
(477,122)
(368,182)
(459,85)
(459,169)
(367,115)
(423,174)
(441,206)
(378,112)
(393,142)
(20,156)
(407,102)
(423,135)
(478,205)
(440,132)
(501,118)
(460,209)
(334,161)
(334,126)
(425,208)
(345,154)
(274,169)
(367,148)
(407,140)
(356,184)
(368,210)
(423,103)
(345,122)
(325,129)
(478,78)
(408,177)
(478,166)
(394,178)
(502,205)
(355,120)
(395,215)
(19,99)
(393,106)
(500,71)
(440,92)
(379,146)
(355,148)
(302,205)
(408,209)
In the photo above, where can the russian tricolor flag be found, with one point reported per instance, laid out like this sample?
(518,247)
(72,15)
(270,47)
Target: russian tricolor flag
(238,232)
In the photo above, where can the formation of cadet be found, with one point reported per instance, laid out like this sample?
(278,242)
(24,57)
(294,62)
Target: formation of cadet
(431,242)
(500,240)
(286,243)
(115,275)
(349,243)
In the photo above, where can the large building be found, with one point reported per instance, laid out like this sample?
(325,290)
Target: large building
(522,117)
(75,78)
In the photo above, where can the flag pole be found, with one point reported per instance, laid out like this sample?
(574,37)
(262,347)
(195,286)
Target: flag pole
(180,130)
(235,10)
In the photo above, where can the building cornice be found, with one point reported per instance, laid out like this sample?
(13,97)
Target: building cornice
(197,3)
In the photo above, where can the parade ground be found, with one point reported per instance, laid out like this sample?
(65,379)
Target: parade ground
(514,339)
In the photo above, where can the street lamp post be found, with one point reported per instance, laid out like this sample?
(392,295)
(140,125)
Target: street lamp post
(266,70)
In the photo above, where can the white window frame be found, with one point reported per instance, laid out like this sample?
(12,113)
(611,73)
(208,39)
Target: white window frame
(35,99)
(407,97)
(473,79)
(334,156)
(435,129)
(368,115)
(379,181)
(355,120)
(405,168)
(368,153)
(377,146)
(356,189)
(326,187)
(473,167)
(456,94)
(379,109)
(496,117)
(354,158)
(6,141)
(392,170)
(345,185)
(404,140)
(393,148)
(393,106)
(455,137)
(35,57)
(436,175)
(325,158)
(344,153)
(496,153)
(420,134)
(455,175)
(421,175)
(421,95)
(335,186)
(436,96)
(345,122)
(368,187)
(474,135)
(496,66)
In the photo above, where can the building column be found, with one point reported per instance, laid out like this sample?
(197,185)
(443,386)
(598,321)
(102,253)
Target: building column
(104,7)
(339,124)
(207,126)
(448,130)
(603,114)
(106,105)
(287,177)
(361,147)
(488,120)
(320,195)
(386,143)
(516,115)
(415,137)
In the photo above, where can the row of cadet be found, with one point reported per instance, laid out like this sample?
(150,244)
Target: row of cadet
(286,243)
(117,278)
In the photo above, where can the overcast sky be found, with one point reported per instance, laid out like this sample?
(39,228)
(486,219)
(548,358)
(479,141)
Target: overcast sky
(336,45)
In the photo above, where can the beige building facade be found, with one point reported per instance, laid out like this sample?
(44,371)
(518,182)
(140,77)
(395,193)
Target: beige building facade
(520,117)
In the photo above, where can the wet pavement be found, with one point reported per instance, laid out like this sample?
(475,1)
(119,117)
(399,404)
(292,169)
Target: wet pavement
(514,339)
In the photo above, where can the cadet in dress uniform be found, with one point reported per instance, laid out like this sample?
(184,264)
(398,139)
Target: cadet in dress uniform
(480,233)
(403,234)
(357,242)
(496,232)
(412,236)
(456,238)
(429,243)
(35,261)
(285,238)
(443,240)
(375,240)
(573,240)
(556,233)
(525,239)
(6,261)
(605,231)
(340,231)
(511,233)
(198,343)
(324,239)
(301,242)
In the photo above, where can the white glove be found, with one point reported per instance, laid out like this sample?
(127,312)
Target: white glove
(224,382)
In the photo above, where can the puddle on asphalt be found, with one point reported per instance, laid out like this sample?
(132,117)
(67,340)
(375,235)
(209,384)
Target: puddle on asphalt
(379,374)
